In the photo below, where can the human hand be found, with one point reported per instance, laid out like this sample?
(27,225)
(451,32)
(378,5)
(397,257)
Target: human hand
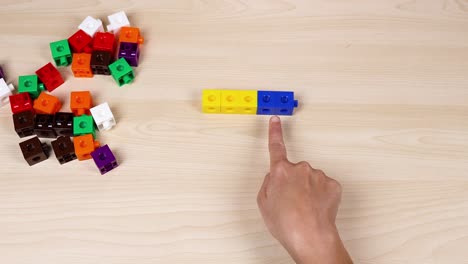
(299,205)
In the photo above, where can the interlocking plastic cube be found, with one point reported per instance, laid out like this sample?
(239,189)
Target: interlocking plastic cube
(131,34)
(63,124)
(91,26)
(24,123)
(211,101)
(121,72)
(30,84)
(5,92)
(276,103)
(21,102)
(103,117)
(80,102)
(61,52)
(34,151)
(64,149)
(81,65)
(104,159)
(239,102)
(47,104)
(84,146)
(83,125)
(130,52)
(50,76)
(104,41)
(44,126)
(116,21)
(80,42)
(100,61)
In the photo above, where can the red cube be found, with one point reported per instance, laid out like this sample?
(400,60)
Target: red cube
(104,41)
(80,42)
(50,76)
(20,103)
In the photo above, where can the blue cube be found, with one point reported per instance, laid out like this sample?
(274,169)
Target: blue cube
(276,103)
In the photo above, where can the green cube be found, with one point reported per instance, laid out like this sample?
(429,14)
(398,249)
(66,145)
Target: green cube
(30,84)
(61,52)
(83,125)
(121,71)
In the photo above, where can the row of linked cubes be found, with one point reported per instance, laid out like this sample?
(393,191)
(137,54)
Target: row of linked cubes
(251,102)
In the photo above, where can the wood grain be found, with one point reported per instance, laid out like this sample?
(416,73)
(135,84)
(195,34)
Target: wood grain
(383,90)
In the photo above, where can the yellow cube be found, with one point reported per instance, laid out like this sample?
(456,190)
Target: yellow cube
(239,102)
(211,101)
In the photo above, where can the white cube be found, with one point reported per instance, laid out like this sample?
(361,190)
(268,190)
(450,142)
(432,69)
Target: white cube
(103,117)
(91,25)
(5,92)
(116,21)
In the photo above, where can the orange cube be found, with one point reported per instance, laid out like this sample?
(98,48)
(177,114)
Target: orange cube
(81,102)
(47,104)
(130,34)
(81,65)
(84,145)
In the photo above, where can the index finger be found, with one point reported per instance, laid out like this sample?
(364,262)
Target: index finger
(276,142)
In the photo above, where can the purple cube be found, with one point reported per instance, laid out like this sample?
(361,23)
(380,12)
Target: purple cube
(130,52)
(104,159)
(2,75)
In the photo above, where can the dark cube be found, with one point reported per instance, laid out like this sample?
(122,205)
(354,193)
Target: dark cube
(100,61)
(43,126)
(63,124)
(64,149)
(34,151)
(24,123)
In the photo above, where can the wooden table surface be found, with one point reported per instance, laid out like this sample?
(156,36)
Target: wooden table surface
(383,93)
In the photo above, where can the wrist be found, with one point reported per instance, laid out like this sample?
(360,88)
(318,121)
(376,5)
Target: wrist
(319,245)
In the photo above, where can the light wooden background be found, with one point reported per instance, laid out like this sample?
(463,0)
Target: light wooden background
(383,89)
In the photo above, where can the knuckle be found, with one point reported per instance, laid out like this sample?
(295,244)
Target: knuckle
(304,165)
(335,186)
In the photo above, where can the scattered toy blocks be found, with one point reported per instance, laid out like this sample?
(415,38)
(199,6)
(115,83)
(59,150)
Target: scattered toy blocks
(276,103)
(211,101)
(61,52)
(21,102)
(34,151)
(64,149)
(47,104)
(24,123)
(63,124)
(80,102)
(100,61)
(239,102)
(117,21)
(83,125)
(130,52)
(104,41)
(5,92)
(130,34)
(91,26)
(121,72)
(80,42)
(44,126)
(81,65)
(30,84)
(104,159)
(50,76)
(84,146)
(103,117)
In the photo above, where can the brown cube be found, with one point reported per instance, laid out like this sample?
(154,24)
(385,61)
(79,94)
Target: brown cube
(24,123)
(34,151)
(64,149)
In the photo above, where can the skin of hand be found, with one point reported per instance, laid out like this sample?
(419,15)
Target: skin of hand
(299,205)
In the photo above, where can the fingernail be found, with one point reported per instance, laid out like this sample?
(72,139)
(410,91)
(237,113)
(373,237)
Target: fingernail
(274,119)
